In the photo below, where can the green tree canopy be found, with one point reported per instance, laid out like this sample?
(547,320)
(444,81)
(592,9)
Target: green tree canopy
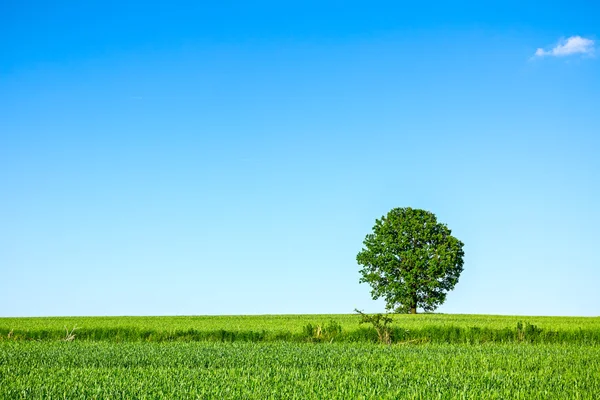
(410,260)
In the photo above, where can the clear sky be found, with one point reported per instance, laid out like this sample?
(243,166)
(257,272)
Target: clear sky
(229,157)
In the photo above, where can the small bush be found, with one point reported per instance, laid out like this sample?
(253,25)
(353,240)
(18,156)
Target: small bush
(527,332)
(381,324)
(322,332)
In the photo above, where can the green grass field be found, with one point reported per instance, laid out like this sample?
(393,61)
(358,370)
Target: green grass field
(445,356)
(437,328)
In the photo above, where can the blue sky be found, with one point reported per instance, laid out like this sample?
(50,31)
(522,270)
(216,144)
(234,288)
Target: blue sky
(229,158)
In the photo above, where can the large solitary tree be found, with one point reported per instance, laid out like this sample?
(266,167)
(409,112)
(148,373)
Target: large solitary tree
(410,260)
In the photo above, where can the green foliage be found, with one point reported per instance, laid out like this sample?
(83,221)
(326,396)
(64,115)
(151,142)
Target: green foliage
(381,324)
(322,332)
(410,260)
(273,323)
(429,356)
(528,332)
(103,370)
(422,328)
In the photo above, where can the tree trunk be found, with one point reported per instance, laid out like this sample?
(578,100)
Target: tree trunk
(413,306)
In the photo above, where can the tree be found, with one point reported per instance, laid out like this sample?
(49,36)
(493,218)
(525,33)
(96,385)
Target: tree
(410,260)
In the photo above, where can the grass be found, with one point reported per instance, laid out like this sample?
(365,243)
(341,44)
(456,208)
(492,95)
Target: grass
(88,370)
(431,356)
(432,328)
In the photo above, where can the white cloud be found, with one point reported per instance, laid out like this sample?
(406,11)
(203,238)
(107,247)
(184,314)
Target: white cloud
(572,45)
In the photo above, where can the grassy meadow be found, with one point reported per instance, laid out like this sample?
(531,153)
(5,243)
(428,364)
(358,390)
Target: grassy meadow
(432,356)
(437,328)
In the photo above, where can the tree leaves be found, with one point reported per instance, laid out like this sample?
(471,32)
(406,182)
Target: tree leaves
(410,260)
